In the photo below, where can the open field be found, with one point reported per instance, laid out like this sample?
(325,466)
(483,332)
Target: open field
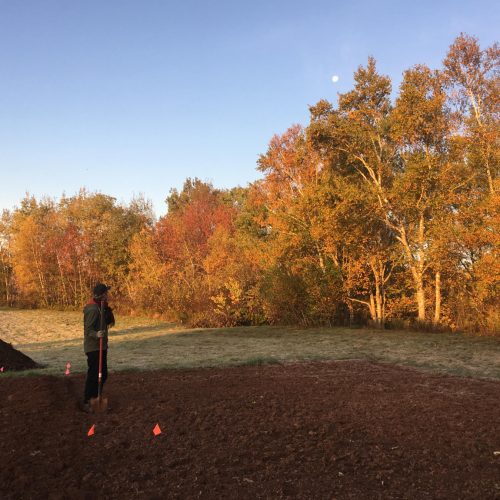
(344,425)
(54,337)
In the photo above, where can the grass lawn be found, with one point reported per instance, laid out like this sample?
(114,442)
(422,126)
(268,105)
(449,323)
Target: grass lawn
(53,338)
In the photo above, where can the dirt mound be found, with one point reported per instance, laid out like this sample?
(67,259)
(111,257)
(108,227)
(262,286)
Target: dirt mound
(345,430)
(12,359)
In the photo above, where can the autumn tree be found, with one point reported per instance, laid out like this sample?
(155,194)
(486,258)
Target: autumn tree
(190,264)
(472,76)
(291,195)
(472,79)
(59,250)
(357,150)
(6,271)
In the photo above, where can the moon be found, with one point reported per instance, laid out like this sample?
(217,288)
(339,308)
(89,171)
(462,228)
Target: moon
(335,78)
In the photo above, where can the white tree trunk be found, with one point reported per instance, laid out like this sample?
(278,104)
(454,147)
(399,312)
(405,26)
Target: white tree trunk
(437,308)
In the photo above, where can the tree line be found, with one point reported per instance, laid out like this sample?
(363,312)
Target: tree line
(380,210)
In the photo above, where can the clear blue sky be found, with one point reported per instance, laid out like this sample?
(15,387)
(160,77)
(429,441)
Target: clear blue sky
(128,97)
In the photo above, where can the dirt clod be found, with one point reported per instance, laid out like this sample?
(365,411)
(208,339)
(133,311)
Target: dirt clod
(12,359)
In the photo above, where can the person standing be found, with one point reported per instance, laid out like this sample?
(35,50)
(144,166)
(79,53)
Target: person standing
(92,333)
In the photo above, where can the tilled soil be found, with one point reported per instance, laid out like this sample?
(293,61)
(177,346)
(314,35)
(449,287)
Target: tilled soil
(319,430)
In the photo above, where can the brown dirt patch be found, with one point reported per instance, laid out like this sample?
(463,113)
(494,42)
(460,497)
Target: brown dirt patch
(12,359)
(319,430)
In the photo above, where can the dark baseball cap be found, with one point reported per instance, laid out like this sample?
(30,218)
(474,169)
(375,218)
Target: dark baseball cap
(100,289)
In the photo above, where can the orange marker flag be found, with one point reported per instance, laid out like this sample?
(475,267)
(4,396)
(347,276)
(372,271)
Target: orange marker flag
(91,431)
(156,430)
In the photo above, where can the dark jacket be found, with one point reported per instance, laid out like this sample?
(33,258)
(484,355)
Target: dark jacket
(92,324)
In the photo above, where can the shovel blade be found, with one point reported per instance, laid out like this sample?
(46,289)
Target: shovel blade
(99,405)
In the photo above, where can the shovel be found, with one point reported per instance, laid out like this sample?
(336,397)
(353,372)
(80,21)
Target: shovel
(100,404)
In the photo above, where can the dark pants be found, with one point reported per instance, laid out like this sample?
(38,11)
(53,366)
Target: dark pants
(92,382)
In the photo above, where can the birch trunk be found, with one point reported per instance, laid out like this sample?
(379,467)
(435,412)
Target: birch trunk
(416,265)
(437,309)
(420,300)
(373,310)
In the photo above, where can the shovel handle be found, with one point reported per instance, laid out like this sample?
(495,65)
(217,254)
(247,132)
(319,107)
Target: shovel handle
(103,326)
(99,387)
